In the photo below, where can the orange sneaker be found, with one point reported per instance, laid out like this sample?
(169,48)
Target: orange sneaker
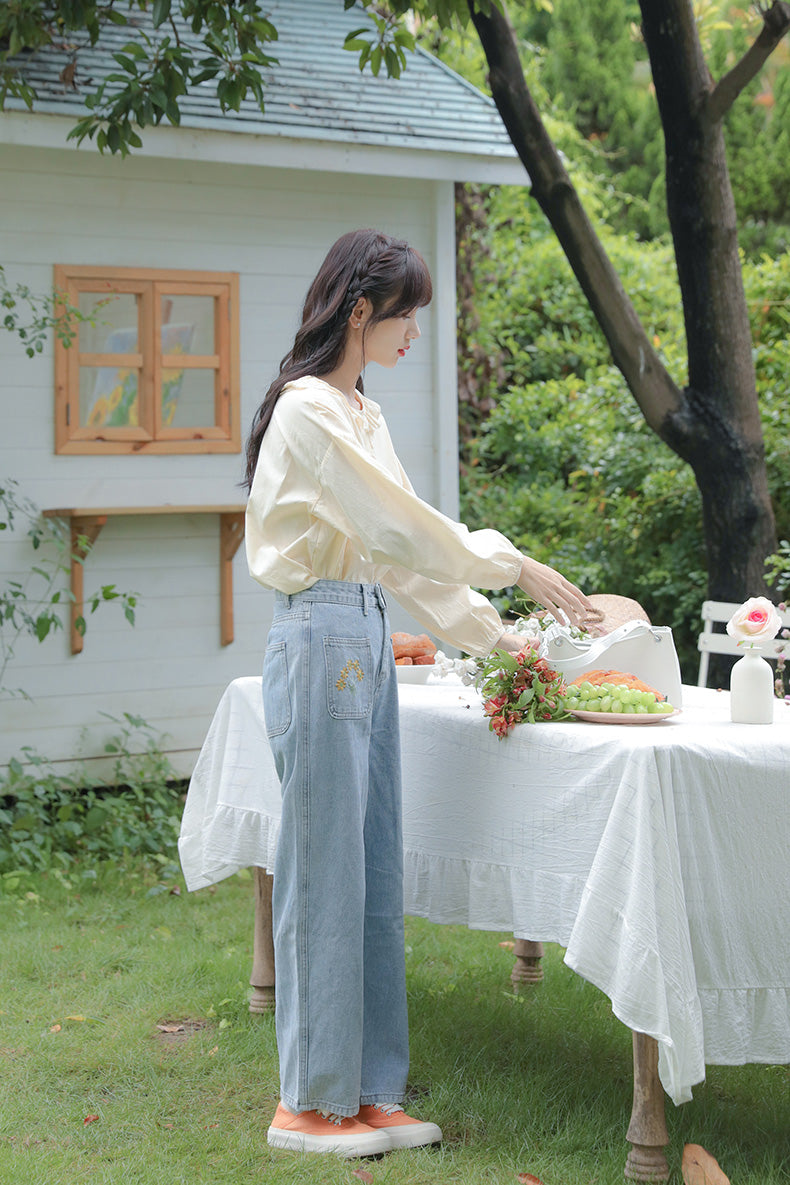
(319,1131)
(403,1131)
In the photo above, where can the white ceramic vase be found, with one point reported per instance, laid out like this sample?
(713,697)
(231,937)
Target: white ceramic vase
(752,689)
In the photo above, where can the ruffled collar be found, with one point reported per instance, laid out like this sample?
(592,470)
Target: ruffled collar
(367,410)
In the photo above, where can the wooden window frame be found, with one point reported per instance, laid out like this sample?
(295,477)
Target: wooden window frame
(151,436)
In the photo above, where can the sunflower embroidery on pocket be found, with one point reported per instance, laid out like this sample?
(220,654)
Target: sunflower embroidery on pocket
(347,674)
(349,683)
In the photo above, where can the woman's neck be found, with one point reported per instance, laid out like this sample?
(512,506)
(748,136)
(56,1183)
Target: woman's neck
(344,378)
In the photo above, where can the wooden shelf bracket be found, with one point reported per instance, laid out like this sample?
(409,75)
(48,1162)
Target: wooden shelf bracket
(86,523)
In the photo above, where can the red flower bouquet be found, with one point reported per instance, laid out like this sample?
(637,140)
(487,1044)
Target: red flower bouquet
(520,687)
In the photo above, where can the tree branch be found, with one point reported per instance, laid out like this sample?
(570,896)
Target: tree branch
(657,395)
(776,22)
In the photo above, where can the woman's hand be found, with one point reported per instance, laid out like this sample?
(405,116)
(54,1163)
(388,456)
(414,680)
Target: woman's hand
(551,590)
(513,643)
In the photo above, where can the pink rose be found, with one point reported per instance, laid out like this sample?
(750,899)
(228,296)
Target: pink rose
(755,621)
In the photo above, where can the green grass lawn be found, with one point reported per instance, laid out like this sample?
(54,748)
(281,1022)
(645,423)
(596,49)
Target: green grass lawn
(91,1090)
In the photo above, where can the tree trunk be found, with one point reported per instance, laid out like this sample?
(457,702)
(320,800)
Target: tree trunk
(713,424)
(717,429)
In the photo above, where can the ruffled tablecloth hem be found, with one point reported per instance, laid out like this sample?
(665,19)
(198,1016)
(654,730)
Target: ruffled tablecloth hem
(235,839)
(751,1024)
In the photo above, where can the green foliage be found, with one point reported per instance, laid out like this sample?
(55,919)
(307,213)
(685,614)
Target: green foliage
(33,605)
(757,135)
(597,73)
(777,568)
(31,315)
(565,464)
(385,40)
(195,41)
(53,819)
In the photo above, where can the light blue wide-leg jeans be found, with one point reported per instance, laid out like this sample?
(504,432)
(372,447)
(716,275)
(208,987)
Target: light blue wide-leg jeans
(330,701)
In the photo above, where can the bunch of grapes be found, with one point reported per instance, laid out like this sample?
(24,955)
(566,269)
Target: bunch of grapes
(614,697)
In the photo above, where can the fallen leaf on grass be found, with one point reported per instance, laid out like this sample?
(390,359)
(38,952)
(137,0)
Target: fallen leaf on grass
(528,1179)
(55,1028)
(700,1168)
(89,1119)
(363,1175)
(507,945)
(177,1028)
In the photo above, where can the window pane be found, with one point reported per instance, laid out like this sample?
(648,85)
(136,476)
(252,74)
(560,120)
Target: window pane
(188,398)
(108,397)
(188,325)
(116,328)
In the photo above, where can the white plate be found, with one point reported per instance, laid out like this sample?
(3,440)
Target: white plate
(623,717)
(415,674)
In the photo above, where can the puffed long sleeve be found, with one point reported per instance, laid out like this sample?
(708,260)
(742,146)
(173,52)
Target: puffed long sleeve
(330,500)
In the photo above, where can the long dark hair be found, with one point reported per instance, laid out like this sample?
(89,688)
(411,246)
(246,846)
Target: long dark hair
(390,273)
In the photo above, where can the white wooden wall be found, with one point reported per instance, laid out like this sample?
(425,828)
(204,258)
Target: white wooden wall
(273,227)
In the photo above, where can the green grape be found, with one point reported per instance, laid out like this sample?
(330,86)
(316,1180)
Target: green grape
(606,703)
(593,705)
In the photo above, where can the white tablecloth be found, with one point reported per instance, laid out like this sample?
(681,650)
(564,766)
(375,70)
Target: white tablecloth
(657,855)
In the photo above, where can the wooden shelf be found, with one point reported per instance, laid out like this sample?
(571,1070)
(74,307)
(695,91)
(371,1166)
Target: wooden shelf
(86,523)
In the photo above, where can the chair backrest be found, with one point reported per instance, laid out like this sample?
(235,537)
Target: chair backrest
(710,642)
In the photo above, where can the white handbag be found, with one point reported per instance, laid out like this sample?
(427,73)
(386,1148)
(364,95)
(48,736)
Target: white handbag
(638,648)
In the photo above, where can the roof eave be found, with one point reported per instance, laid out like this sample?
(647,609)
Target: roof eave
(275,149)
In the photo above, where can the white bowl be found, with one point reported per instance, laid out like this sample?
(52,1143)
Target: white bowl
(415,674)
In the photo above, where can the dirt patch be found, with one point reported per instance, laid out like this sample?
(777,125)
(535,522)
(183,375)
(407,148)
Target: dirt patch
(173,1033)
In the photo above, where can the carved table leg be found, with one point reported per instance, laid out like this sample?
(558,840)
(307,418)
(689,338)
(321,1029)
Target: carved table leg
(262,978)
(647,1131)
(527,968)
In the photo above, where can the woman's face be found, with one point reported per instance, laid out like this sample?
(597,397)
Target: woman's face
(387,341)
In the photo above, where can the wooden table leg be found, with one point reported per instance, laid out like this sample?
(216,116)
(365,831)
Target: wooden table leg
(647,1131)
(262,978)
(527,967)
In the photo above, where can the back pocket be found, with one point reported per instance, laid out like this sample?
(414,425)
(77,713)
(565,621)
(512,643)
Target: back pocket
(276,699)
(349,677)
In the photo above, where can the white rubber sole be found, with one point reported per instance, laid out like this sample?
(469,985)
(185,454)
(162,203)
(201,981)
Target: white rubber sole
(413,1135)
(372,1144)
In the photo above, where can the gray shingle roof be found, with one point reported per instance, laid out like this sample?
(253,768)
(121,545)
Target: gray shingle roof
(316,92)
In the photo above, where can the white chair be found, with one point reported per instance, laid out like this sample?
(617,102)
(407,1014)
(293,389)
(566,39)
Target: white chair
(710,642)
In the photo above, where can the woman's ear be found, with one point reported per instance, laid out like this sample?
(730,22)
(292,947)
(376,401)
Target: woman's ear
(360,312)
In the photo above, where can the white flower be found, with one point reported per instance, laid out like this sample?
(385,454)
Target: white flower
(465,668)
(756,621)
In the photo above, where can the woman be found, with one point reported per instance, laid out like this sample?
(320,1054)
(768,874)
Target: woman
(332,521)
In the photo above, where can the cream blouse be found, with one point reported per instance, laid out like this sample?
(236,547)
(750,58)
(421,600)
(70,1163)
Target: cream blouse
(331,501)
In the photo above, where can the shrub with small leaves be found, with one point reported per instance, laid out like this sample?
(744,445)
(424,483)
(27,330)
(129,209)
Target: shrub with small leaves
(50,818)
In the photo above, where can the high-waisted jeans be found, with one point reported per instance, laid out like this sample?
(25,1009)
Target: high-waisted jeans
(330,701)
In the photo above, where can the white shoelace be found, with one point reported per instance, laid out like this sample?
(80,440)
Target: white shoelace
(388,1108)
(330,1117)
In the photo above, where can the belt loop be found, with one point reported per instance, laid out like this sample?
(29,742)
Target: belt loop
(364,588)
(288,600)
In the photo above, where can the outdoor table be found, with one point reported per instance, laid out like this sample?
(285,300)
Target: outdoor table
(656,855)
